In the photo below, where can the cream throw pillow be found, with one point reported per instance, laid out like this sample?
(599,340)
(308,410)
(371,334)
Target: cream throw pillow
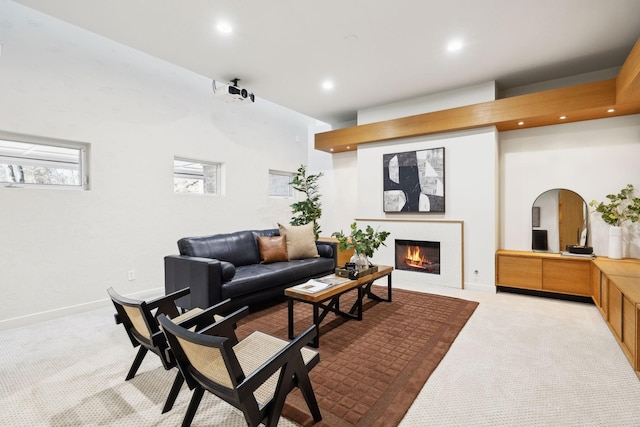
(301,242)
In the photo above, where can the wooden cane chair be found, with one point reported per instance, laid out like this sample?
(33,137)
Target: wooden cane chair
(139,319)
(254,375)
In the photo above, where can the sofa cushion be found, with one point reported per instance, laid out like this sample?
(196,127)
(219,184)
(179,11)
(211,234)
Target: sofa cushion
(301,242)
(255,278)
(239,248)
(228,270)
(325,251)
(272,249)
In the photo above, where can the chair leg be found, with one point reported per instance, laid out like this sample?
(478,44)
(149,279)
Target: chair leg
(193,406)
(173,394)
(286,383)
(136,363)
(304,384)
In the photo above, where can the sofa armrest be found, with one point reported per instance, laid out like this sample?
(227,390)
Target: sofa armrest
(328,250)
(203,276)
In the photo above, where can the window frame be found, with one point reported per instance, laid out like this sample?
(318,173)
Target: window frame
(290,175)
(43,141)
(219,177)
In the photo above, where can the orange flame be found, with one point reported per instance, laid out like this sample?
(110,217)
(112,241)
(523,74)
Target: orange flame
(415,258)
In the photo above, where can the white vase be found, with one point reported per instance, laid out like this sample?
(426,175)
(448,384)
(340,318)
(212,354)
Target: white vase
(615,242)
(361,261)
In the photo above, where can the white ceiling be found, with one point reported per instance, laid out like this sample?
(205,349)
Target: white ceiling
(376,52)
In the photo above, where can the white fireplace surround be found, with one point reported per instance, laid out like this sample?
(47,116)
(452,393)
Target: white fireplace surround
(449,233)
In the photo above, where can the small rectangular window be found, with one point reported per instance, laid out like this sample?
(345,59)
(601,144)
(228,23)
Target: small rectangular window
(36,161)
(280,184)
(196,177)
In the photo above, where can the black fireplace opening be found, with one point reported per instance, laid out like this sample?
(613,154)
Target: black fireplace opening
(418,255)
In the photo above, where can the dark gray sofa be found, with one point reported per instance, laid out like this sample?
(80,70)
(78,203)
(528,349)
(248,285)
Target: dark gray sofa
(225,266)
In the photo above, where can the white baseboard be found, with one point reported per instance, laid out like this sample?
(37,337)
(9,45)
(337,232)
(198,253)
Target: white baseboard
(43,316)
(470,286)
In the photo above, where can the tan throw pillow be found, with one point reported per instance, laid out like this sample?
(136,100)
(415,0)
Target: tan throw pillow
(272,249)
(301,242)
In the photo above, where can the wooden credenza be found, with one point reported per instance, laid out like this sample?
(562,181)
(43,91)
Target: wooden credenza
(544,272)
(616,292)
(614,286)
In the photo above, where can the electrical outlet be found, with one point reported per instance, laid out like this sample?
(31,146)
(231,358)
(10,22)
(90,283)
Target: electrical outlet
(131,275)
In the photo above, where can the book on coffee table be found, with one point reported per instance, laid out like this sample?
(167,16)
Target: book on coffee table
(320,283)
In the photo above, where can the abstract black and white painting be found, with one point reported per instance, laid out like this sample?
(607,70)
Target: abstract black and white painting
(414,181)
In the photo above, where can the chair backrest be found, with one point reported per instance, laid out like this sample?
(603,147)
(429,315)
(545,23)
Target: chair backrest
(136,317)
(204,359)
(213,359)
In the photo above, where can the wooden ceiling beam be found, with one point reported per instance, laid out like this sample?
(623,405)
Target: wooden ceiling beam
(587,101)
(628,80)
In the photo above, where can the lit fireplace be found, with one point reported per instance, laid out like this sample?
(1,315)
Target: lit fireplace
(417,255)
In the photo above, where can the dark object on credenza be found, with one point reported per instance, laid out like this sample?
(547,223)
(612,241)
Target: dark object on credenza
(539,240)
(578,249)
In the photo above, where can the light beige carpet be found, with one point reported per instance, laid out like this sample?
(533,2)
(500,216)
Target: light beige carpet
(70,372)
(79,379)
(529,361)
(519,361)
(370,371)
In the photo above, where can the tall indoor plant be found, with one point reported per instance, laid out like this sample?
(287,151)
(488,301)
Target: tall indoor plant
(622,207)
(309,209)
(364,243)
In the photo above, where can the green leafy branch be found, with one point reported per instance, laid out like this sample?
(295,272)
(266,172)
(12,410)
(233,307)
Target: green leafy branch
(621,207)
(309,209)
(362,242)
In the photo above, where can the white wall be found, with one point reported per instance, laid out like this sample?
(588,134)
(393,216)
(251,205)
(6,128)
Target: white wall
(336,186)
(470,191)
(60,249)
(353,181)
(592,158)
(468,95)
(470,175)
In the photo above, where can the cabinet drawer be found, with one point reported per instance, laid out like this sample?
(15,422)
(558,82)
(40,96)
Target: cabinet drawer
(520,272)
(615,310)
(569,277)
(604,293)
(629,328)
(596,289)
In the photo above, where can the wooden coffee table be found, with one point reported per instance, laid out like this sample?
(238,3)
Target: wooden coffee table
(329,299)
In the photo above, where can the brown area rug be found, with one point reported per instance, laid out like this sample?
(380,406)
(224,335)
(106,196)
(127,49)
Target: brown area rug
(370,371)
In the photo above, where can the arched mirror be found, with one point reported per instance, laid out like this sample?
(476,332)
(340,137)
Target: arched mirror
(559,217)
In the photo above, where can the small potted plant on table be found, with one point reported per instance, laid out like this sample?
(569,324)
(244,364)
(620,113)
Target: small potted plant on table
(364,244)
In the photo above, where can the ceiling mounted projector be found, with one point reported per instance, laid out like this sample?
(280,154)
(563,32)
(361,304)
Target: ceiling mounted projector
(232,92)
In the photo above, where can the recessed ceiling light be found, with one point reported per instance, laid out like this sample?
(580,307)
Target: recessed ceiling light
(454,45)
(224,27)
(327,85)
(520,123)
(562,117)
(611,110)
